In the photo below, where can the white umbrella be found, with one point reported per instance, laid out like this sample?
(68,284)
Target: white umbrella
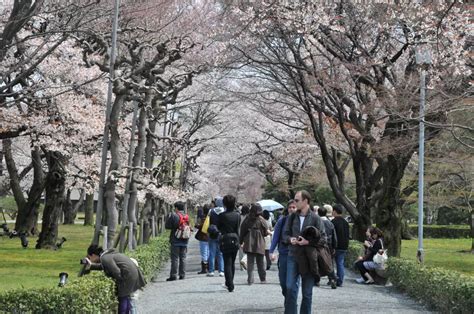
(270,205)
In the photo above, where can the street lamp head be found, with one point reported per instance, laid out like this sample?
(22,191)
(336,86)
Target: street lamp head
(423,54)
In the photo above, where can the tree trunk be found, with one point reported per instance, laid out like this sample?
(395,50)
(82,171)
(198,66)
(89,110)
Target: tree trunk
(55,186)
(137,162)
(109,193)
(388,215)
(67,209)
(89,210)
(27,217)
(70,215)
(472,230)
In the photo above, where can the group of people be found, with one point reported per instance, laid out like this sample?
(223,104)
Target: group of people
(223,230)
(301,234)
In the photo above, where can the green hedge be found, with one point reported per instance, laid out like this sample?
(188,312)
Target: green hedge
(445,290)
(355,250)
(89,294)
(437,231)
(92,293)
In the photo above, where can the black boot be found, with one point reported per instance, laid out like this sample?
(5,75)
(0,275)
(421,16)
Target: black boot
(203,268)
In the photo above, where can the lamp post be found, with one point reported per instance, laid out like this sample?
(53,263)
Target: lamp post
(423,59)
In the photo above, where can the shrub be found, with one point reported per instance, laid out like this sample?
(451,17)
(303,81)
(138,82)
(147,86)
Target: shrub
(355,250)
(444,290)
(90,294)
(436,231)
(150,257)
(94,293)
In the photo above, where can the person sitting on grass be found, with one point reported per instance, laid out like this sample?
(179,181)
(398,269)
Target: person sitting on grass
(366,263)
(127,276)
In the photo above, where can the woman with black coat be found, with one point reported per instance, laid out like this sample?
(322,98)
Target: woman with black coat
(228,224)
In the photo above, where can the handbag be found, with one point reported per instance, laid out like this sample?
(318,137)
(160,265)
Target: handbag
(229,242)
(206,223)
(324,261)
(381,257)
(201,236)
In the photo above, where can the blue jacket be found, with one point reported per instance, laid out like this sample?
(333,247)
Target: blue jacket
(277,237)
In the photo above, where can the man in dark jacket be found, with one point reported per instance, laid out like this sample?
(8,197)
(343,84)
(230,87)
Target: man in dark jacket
(296,223)
(179,247)
(331,240)
(121,269)
(341,228)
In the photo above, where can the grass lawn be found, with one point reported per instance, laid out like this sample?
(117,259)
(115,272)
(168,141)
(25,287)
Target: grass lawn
(40,268)
(443,253)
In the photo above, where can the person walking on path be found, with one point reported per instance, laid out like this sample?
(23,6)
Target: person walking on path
(213,232)
(242,256)
(229,226)
(252,238)
(297,222)
(341,227)
(268,238)
(126,275)
(202,238)
(282,247)
(331,241)
(179,247)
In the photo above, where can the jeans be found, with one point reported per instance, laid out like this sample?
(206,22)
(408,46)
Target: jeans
(204,249)
(307,283)
(282,266)
(178,253)
(213,251)
(340,256)
(229,269)
(124,306)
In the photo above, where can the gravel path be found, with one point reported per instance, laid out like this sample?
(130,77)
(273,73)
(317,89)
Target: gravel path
(201,294)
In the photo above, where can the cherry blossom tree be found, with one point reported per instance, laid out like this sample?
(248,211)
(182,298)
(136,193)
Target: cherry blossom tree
(352,71)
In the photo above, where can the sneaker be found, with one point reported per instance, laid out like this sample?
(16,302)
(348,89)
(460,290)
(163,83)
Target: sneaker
(360,280)
(333,284)
(263,282)
(369,282)
(243,265)
(181,277)
(210,274)
(171,279)
(224,286)
(339,284)
(221,274)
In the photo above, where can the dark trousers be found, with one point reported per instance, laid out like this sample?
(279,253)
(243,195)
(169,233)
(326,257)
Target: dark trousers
(124,306)
(178,254)
(229,269)
(268,259)
(262,274)
(360,266)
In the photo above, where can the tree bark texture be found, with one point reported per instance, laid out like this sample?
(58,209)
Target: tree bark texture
(27,217)
(55,187)
(89,210)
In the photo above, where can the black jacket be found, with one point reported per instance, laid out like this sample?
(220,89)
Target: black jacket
(292,229)
(229,222)
(342,232)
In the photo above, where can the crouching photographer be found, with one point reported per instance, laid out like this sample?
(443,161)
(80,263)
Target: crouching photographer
(121,268)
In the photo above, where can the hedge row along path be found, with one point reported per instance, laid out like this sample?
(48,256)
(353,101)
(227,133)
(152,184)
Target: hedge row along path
(202,294)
